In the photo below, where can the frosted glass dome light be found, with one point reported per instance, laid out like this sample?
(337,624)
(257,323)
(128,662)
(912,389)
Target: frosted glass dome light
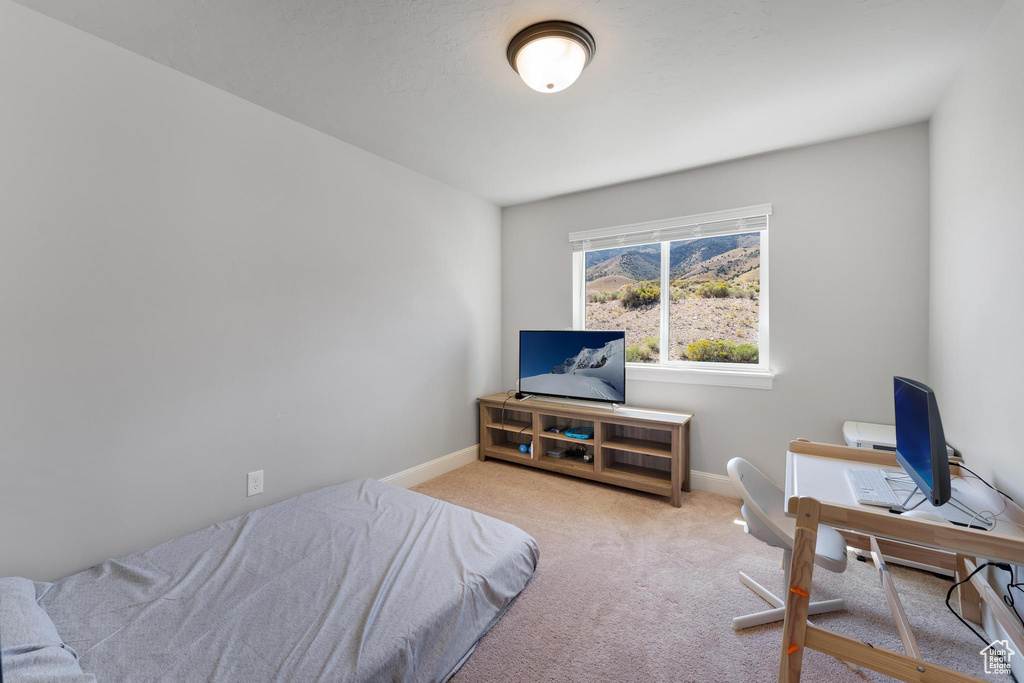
(550,56)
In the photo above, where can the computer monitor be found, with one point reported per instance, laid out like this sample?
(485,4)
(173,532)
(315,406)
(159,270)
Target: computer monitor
(920,442)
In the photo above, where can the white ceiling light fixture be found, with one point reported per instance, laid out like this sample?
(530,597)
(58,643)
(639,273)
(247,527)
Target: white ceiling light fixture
(551,55)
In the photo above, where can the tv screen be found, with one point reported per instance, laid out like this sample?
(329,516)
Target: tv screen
(573,364)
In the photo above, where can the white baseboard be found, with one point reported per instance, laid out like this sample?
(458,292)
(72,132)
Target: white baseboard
(713,483)
(699,481)
(434,468)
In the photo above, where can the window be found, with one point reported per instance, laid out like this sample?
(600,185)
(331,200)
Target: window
(691,293)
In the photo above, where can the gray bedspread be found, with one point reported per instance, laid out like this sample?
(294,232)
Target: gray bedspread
(358,582)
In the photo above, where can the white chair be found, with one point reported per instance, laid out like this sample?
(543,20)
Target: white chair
(764,513)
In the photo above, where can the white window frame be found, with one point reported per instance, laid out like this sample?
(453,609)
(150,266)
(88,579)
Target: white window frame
(731,222)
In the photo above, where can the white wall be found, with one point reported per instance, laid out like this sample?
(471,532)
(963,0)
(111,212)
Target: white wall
(849,285)
(977,315)
(977,239)
(192,287)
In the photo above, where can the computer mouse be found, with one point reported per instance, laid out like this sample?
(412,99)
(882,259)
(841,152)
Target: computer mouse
(931,515)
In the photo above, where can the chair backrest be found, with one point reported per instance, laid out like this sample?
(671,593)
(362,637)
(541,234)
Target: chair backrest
(763,504)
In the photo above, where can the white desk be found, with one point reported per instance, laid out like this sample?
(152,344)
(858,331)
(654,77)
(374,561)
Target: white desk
(817,492)
(824,479)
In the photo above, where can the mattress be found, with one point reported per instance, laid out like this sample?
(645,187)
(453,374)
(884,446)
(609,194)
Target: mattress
(357,582)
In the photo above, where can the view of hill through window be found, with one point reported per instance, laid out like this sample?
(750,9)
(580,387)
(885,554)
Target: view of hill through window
(715,289)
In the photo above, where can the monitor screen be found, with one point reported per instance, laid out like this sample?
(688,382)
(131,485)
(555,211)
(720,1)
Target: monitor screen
(913,440)
(920,442)
(573,364)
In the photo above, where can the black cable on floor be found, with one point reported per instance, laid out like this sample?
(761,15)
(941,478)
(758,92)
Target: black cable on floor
(949,595)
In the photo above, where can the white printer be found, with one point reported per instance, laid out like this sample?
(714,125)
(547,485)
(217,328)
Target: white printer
(870,435)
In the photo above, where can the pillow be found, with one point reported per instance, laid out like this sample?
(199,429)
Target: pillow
(30,647)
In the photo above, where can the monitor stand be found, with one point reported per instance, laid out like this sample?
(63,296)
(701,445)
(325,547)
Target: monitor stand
(955,512)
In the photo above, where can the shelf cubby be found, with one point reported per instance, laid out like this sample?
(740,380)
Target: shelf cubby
(655,442)
(566,465)
(633,466)
(546,422)
(502,430)
(508,419)
(510,439)
(511,426)
(549,442)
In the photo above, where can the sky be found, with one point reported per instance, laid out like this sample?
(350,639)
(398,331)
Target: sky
(541,351)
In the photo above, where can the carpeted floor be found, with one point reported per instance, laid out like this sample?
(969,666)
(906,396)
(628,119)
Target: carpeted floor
(631,589)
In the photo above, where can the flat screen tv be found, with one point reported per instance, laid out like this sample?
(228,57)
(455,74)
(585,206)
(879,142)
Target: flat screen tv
(573,364)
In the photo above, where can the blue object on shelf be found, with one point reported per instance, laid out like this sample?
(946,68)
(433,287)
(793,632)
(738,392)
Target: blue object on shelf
(580,432)
(523,448)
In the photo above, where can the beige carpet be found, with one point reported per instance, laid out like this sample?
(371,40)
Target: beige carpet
(631,589)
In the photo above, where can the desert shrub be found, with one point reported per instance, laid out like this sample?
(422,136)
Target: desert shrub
(745,353)
(709,351)
(741,293)
(641,294)
(602,297)
(713,290)
(644,351)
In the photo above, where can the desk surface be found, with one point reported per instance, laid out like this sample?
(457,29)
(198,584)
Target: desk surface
(823,478)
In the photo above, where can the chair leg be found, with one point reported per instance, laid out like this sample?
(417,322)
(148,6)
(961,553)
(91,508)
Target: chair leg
(758,618)
(761,591)
(778,613)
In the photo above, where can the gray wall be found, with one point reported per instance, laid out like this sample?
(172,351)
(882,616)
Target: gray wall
(977,323)
(192,287)
(849,285)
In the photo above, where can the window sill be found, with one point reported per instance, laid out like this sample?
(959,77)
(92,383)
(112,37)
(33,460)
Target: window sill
(748,379)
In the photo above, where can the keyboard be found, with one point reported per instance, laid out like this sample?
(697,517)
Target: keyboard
(870,487)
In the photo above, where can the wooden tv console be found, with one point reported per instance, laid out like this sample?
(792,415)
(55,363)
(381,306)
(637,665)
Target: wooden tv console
(647,450)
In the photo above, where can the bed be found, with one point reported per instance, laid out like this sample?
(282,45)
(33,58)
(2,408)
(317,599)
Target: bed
(357,582)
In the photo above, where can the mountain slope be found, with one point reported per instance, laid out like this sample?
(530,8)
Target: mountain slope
(636,265)
(687,256)
(721,257)
(742,263)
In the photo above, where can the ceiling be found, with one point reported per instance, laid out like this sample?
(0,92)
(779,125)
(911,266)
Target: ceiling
(674,83)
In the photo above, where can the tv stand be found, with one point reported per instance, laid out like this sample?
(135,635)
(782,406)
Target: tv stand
(645,450)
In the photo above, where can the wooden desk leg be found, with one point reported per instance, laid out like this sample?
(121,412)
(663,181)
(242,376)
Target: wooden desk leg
(798,597)
(970,600)
(676,467)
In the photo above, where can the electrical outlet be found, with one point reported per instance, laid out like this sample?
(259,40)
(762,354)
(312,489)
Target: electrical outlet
(254,483)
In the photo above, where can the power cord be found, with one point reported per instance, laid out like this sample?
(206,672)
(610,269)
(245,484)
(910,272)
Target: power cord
(1005,495)
(1001,565)
(508,397)
(1010,586)
(1008,599)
